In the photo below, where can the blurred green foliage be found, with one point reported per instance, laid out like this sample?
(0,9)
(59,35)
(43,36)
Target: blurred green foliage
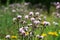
(33,2)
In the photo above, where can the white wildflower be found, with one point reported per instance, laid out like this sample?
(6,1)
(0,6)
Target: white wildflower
(41,15)
(44,17)
(37,35)
(55,23)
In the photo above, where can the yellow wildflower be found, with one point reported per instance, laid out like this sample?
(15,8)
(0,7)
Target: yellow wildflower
(26,33)
(44,35)
(13,37)
(53,33)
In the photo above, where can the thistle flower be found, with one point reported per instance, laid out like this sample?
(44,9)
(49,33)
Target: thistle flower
(31,13)
(40,37)
(26,28)
(29,24)
(45,23)
(26,16)
(19,16)
(14,19)
(36,22)
(7,36)
(24,22)
(57,3)
(37,13)
(13,10)
(21,30)
(13,37)
(32,19)
(57,7)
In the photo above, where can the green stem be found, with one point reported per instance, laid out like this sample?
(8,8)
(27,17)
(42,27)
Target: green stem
(7,2)
(0,2)
(42,30)
(15,1)
(23,1)
(18,29)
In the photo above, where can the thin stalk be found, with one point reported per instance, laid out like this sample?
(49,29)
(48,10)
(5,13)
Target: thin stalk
(0,2)
(8,1)
(18,29)
(42,30)
(15,1)
(23,1)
